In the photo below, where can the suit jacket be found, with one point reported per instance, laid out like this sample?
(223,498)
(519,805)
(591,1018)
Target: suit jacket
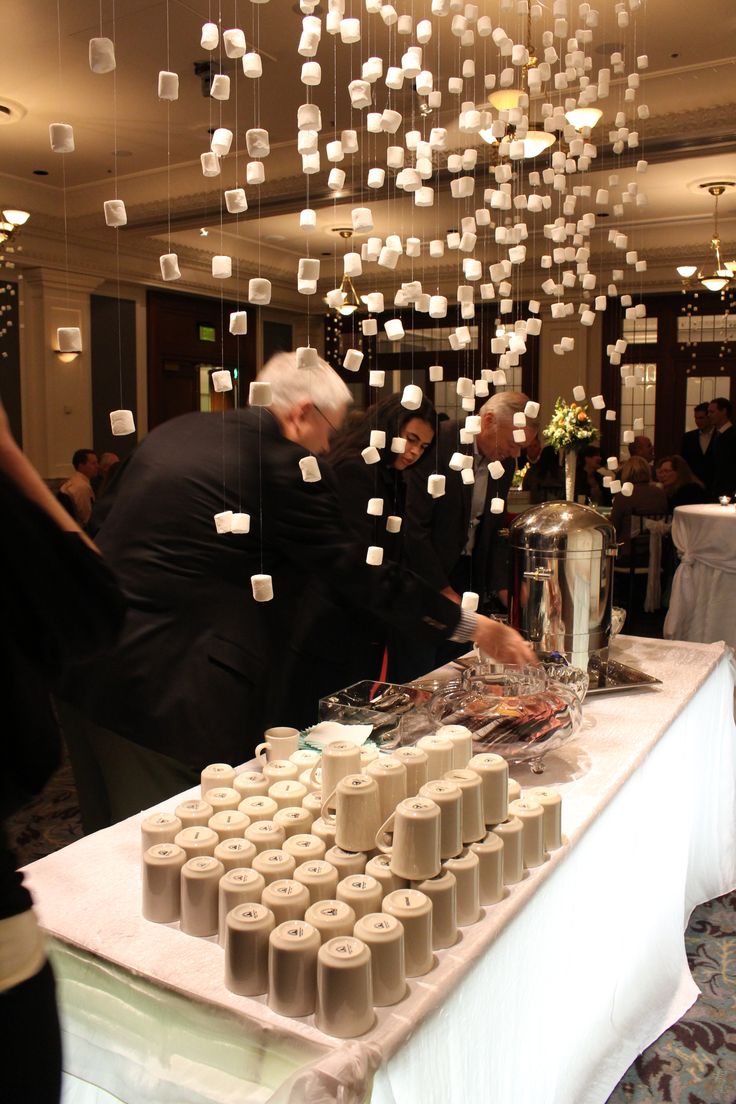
(647,498)
(200,660)
(437,528)
(701,463)
(724,463)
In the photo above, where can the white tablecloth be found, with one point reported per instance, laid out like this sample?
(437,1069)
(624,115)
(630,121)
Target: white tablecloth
(703,599)
(547,1000)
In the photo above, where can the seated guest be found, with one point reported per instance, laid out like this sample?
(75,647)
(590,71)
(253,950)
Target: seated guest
(106,469)
(544,478)
(647,498)
(79,486)
(642,446)
(679,483)
(588,479)
(322,666)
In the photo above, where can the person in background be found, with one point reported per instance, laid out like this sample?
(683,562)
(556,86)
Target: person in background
(59,603)
(679,483)
(588,479)
(544,479)
(697,446)
(643,447)
(326,657)
(199,670)
(79,486)
(455,541)
(720,412)
(106,469)
(647,498)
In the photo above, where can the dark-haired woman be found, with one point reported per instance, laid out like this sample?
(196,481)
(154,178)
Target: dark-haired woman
(336,646)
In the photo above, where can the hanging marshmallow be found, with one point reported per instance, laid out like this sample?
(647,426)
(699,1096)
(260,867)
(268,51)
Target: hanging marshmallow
(371,455)
(627,489)
(610,415)
(638,423)
(436,485)
(210,36)
(220,87)
(436,373)
(307,219)
(376,377)
(115,213)
(252,66)
(310,163)
(472,423)
(375,507)
(210,164)
(310,469)
(628,436)
(374,302)
(238,322)
(69,339)
(376,178)
(378,438)
(394,329)
(306,357)
(578,393)
(259,291)
(101,55)
(496,469)
(615,486)
(221,141)
(612,463)
(61,136)
(336,180)
(531,409)
(470,601)
(259,393)
(398,445)
(257,142)
(466,436)
(412,397)
(308,117)
(349,140)
(468,476)
(262,586)
(519,419)
(222,380)
(240,523)
(224,521)
(222,267)
(598,402)
(234,42)
(169,264)
(362,219)
(374,555)
(236,201)
(369,326)
(457,461)
(122,423)
(352,360)
(497,505)
(393,523)
(360,94)
(437,306)
(519,436)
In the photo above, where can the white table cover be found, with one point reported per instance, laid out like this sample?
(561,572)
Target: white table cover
(547,1000)
(703,599)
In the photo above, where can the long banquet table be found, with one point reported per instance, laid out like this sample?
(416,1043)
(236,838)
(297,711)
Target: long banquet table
(547,1000)
(703,599)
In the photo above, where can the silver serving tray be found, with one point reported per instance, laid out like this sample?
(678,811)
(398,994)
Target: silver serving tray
(615,677)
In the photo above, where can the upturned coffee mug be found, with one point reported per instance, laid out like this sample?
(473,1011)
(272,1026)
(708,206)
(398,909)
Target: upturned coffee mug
(384,936)
(390,775)
(470,783)
(449,797)
(355,809)
(494,772)
(414,910)
(461,739)
(411,836)
(278,743)
(415,760)
(362,892)
(440,755)
(292,968)
(338,760)
(280,770)
(344,988)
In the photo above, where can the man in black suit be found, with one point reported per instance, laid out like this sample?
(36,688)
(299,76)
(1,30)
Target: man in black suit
(697,446)
(720,412)
(198,671)
(455,541)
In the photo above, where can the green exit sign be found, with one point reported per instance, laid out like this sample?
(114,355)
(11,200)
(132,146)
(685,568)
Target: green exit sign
(207,333)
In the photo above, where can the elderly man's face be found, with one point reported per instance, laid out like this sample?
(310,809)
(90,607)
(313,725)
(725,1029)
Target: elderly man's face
(496,438)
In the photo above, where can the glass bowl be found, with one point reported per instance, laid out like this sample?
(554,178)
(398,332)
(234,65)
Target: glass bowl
(523,728)
(618,617)
(509,679)
(573,678)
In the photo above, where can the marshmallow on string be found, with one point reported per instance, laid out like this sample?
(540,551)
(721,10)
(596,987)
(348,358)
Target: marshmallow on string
(374,555)
(61,137)
(412,397)
(310,469)
(122,423)
(371,455)
(393,523)
(236,201)
(224,521)
(259,291)
(306,357)
(169,264)
(101,55)
(436,485)
(352,360)
(69,339)
(222,380)
(375,507)
(377,438)
(262,587)
(115,213)
(376,377)
(259,393)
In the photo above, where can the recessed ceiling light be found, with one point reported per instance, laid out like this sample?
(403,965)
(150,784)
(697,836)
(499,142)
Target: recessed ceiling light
(40,172)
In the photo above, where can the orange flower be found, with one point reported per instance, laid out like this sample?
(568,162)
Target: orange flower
(582,416)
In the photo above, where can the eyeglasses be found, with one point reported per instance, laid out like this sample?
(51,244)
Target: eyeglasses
(334,429)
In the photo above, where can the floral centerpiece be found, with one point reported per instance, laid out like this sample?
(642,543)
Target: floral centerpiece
(570,428)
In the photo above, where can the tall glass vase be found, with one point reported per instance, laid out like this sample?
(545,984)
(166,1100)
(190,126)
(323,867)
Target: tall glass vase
(570,462)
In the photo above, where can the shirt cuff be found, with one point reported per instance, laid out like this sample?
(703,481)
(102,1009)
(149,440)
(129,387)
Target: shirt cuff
(466,627)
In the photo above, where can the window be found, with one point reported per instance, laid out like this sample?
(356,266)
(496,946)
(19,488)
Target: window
(638,398)
(430,340)
(640,331)
(703,389)
(692,329)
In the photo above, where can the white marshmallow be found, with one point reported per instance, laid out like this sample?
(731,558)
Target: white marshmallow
(235,201)
(310,469)
(612,463)
(252,65)
(497,505)
(615,486)
(222,267)
(69,339)
(610,415)
(224,521)
(307,219)
(377,438)
(222,380)
(240,523)
(259,291)
(61,136)
(412,397)
(435,373)
(436,485)
(210,163)
(531,409)
(238,322)
(220,87)
(519,436)
(259,393)
(121,422)
(398,445)
(306,357)
(210,37)
(394,329)
(375,507)
(578,393)
(598,402)
(234,42)
(169,264)
(371,455)
(520,419)
(352,360)
(255,173)
(374,555)
(101,55)
(262,586)
(393,523)
(115,213)
(627,489)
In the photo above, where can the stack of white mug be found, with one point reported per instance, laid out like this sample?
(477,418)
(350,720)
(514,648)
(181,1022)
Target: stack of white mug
(330,879)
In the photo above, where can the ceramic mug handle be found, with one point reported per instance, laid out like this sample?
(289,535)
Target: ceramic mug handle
(328,812)
(385,835)
(263,748)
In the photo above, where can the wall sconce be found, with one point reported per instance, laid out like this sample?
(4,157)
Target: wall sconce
(65,358)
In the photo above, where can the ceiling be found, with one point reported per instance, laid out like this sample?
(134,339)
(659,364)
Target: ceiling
(131,145)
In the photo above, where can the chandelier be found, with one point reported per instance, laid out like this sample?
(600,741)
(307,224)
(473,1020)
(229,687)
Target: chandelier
(720,274)
(12,220)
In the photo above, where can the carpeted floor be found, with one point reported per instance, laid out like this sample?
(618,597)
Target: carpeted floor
(692,1063)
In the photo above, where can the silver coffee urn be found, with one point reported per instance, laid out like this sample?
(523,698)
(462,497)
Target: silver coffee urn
(561,580)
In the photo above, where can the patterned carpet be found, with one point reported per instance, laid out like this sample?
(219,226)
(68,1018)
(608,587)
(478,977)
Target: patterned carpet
(694,1062)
